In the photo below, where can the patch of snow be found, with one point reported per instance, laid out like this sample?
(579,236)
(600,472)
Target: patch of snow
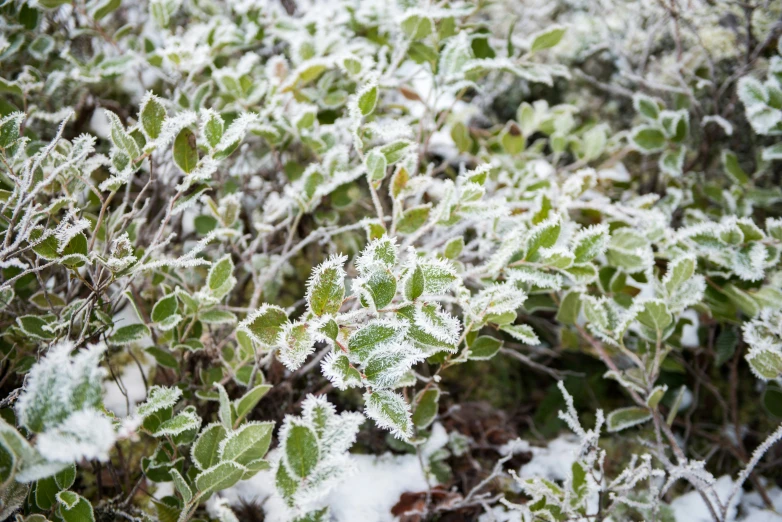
(553,462)
(690,507)
(690,331)
(753,508)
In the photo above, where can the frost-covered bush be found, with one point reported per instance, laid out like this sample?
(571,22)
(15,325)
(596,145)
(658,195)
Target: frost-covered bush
(245,245)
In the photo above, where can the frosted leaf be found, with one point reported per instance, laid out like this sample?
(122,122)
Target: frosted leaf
(534,277)
(749,263)
(336,432)
(454,57)
(296,344)
(159,398)
(326,286)
(336,368)
(439,275)
(387,365)
(60,384)
(375,335)
(764,337)
(314,448)
(497,299)
(171,127)
(624,418)
(590,242)
(434,321)
(390,411)
(186,420)
(379,252)
(152,113)
(265,324)
(522,332)
(84,434)
(236,131)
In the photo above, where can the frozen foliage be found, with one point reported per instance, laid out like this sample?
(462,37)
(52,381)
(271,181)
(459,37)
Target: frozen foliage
(233,232)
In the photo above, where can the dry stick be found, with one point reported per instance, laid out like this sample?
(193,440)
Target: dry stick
(756,456)
(659,426)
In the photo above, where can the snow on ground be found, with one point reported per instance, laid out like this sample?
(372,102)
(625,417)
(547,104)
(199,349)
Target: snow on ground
(552,462)
(133,382)
(691,508)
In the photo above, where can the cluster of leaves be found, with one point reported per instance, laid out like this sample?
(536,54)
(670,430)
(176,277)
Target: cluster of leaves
(249,200)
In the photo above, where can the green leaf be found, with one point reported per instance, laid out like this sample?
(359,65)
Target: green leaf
(326,287)
(512,139)
(151,115)
(66,477)
(74,508)
(390,411)
(656,396)
(579,483)
(461,137)
(646,106)
(119,136)
(395,150)
(381,286)
(679,272)
(655,315)
(647,139)
(373,336)
(542,236)
(376,164)
(413,218)
(205,451)
(184,421)
(367,99)
(129,334)
(181,485)
(547,38)
(624,418)
(247,444)
(9,129)
(484,348)
(454,247)
(265,324)
(426,407)
(438,276)
(225,411)
(185,150)
(219,477)
(732,168)
(522,332)
(414,285)
(165,308)
(765,364)
(302,450)
(46,490)
(220,272)
(742,300)
(33,326)
(212,127)
(163,357)
(250,399)
(217,317)
(104,8)
(286,485)
(159,398)
(569,308)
